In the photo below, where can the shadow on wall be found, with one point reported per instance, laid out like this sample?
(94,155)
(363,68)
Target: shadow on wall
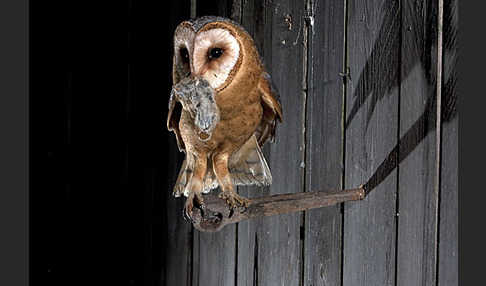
(377,80)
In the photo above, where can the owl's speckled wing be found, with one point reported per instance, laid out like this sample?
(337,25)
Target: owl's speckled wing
(272,110)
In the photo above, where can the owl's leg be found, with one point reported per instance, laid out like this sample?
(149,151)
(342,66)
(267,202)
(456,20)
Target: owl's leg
(220,167)
(196,184)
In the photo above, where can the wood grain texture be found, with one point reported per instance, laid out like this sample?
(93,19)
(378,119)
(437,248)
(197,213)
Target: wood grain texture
(418,154)
(324,152)
(448,252)
(371,134)
(214,258)
(269,249)
(279,241)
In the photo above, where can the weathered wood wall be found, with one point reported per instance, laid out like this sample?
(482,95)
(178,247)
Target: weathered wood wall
(359,81)
(368,89)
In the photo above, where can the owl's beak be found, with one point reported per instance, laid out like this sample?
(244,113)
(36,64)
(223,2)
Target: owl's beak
(203,70)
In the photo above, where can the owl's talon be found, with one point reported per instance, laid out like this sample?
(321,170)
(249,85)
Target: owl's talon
(194,199)
(234,200)
(188,208)
(177,192)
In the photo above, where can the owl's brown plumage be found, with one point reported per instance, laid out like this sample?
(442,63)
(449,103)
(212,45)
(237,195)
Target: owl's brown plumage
(223,108)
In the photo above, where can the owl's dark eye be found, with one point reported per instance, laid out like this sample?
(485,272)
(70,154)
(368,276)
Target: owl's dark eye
(184,55)
(215,53)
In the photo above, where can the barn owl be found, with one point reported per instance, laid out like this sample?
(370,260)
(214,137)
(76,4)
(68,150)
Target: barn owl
(223,107)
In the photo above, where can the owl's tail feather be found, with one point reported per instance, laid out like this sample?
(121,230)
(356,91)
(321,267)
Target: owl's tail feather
(248,166)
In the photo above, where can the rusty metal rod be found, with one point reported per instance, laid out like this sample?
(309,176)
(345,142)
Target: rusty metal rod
(216,213)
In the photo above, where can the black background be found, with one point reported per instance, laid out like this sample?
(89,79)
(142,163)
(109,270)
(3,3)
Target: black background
(100,80)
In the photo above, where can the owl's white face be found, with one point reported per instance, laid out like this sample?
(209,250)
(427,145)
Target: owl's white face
(211,54)
(216,52)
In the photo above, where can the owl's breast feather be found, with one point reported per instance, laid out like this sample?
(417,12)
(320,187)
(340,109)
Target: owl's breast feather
(239,113)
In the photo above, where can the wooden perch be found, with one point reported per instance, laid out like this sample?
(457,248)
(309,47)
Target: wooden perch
(216,213)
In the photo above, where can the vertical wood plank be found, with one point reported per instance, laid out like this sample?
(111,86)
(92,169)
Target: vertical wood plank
(418,154)
(214,258)
(279,241)
(448,267)
(251,15)
(270,249)
(324,161)
(371,133)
